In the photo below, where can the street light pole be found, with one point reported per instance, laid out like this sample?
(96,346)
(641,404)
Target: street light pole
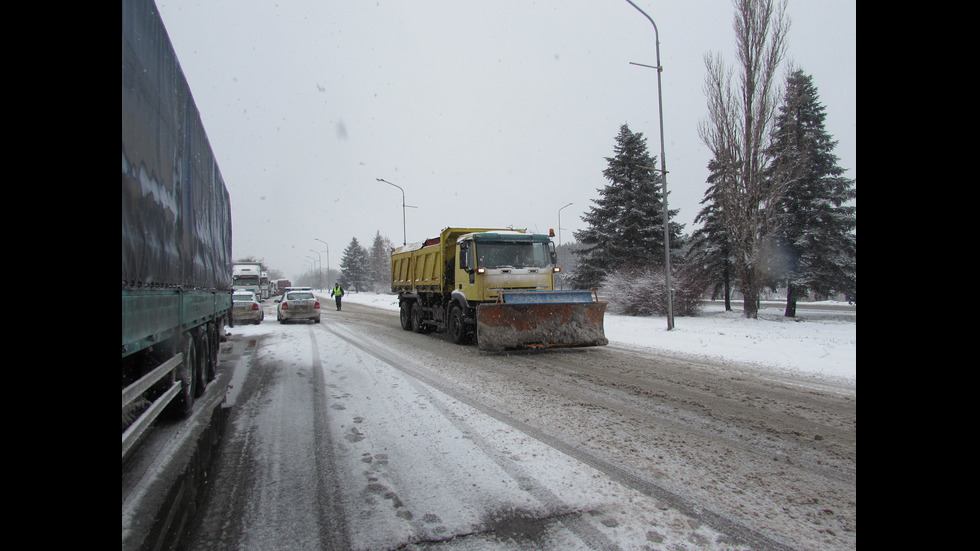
(319,281)
(663,170)
(328,255)
(559,223)
(404,234)
(559,238)
(313,261)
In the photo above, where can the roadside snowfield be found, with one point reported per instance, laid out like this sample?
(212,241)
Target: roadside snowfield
(821,343)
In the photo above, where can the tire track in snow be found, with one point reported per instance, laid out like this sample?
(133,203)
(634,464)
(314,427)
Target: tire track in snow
(732,528)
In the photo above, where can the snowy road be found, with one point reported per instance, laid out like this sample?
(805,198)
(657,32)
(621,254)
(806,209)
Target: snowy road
(353,434)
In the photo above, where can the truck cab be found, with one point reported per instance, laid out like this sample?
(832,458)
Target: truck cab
(492,262)
(247,277)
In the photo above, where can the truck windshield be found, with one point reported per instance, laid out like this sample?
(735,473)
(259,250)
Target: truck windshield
(245,280)
(513,255)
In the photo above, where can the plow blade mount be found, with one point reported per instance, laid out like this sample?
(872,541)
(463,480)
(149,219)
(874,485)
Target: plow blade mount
(503,326)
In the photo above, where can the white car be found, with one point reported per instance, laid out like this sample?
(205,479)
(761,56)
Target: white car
(298,305)
(245,308)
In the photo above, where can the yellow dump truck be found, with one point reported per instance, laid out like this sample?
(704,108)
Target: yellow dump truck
(496,286)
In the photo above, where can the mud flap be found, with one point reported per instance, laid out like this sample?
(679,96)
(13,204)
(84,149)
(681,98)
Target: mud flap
(513,326)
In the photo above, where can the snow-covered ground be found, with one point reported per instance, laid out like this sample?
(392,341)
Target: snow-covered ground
(821,343)
(390,422)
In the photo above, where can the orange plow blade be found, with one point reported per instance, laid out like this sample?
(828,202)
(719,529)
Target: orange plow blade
(513,326)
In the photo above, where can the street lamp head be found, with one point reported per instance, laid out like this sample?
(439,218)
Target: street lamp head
(404,233)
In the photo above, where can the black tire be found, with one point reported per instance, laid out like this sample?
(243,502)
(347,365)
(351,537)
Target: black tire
(458,331)
(183,402)
(214,340)
(405,315)
(203,362)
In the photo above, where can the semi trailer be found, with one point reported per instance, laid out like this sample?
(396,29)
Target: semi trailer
(176,233)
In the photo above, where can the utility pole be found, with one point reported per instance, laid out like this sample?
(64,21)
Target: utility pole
(404,234)
(663,170)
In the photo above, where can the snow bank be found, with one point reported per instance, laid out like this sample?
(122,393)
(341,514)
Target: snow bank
(818,342)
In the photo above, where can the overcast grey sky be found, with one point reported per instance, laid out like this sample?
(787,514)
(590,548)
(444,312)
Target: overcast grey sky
(485,113)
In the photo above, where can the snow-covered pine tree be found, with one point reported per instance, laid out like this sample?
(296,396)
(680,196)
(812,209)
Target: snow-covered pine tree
(379,260)
(817,234)
(711,252)
(354,271)
(625,224)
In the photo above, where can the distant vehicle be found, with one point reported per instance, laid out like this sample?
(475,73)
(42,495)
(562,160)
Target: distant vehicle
(245,308)
(298,305)
(282,284)
(265,286)
(245,277)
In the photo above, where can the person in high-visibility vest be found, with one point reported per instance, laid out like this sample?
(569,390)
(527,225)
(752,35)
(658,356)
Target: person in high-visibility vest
(336,293)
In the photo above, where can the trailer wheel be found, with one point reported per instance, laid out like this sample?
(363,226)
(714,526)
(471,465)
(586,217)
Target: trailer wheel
(203,363)
(457,326)
(183,403)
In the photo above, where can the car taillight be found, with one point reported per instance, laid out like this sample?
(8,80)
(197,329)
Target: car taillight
(285,306)
(255,306)
(316,305)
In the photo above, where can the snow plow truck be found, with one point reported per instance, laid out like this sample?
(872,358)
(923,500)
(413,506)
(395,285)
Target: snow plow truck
(494,286)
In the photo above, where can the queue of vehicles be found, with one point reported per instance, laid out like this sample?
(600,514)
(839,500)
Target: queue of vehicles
(176,255)
(296,304)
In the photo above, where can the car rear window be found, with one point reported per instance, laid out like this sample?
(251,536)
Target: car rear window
(299,296)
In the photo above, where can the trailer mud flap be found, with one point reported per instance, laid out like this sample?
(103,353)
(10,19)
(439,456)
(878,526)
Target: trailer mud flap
(514,326)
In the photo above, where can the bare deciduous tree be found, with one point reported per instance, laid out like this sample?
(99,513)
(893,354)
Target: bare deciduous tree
(737,130)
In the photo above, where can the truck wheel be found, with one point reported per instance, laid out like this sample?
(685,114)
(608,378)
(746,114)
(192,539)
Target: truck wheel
(203,363)
(215,341)
(405,315)
(183,403)
(457,326)
(417,325)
